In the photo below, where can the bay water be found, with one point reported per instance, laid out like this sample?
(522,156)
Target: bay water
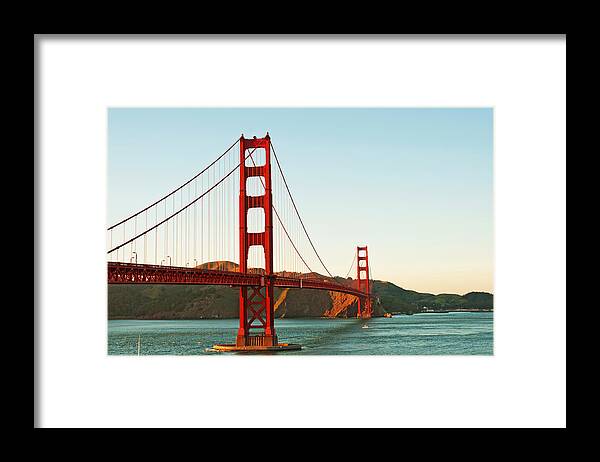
(456,333)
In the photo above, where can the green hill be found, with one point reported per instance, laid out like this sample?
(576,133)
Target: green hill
(395,299)
(206,302)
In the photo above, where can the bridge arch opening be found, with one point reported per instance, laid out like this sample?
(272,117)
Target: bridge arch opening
(255,186)
(256,257)
(255,157)
(256,220)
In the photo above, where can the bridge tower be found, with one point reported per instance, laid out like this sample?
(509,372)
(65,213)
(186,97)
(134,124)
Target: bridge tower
(362,276)
(256,303)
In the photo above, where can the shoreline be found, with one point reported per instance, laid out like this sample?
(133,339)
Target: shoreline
(122,318)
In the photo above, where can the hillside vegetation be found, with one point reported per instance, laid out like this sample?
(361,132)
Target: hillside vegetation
(398,300)
(209,302)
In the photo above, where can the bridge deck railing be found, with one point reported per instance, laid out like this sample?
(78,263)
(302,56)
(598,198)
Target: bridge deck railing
(135,273)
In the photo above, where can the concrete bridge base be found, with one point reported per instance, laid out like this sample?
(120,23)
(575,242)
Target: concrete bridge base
(257,348)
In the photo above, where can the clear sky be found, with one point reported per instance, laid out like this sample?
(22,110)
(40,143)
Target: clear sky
(415,185)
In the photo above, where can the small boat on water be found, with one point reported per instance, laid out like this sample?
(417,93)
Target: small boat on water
(365,327)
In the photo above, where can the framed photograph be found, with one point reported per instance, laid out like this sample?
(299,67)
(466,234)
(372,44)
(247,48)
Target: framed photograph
(225,262)
(217,215)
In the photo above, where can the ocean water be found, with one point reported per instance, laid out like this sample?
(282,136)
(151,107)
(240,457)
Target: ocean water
(419,334)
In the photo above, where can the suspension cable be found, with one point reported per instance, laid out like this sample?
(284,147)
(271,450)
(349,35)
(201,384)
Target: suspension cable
(296,209)
(351,266)
(182,208)
(180,187)
(278,218)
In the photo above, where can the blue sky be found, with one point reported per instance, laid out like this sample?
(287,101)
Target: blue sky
(415,185)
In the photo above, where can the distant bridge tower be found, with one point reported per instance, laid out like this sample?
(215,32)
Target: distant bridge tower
(362,270)
(256,303)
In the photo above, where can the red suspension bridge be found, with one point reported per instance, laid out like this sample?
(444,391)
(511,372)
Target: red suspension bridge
(234,223)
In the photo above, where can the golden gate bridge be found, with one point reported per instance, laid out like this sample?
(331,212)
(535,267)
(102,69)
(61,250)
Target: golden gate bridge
(234,223)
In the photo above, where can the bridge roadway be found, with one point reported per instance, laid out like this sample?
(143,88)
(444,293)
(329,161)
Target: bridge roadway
(133,273)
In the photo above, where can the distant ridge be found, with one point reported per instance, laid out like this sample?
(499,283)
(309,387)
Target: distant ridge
(208,302)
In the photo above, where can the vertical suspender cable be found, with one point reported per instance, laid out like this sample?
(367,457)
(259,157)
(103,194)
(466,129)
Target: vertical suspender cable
(298,213)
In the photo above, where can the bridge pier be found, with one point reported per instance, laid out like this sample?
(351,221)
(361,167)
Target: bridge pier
(257,328)
(362,269)
(259,302)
